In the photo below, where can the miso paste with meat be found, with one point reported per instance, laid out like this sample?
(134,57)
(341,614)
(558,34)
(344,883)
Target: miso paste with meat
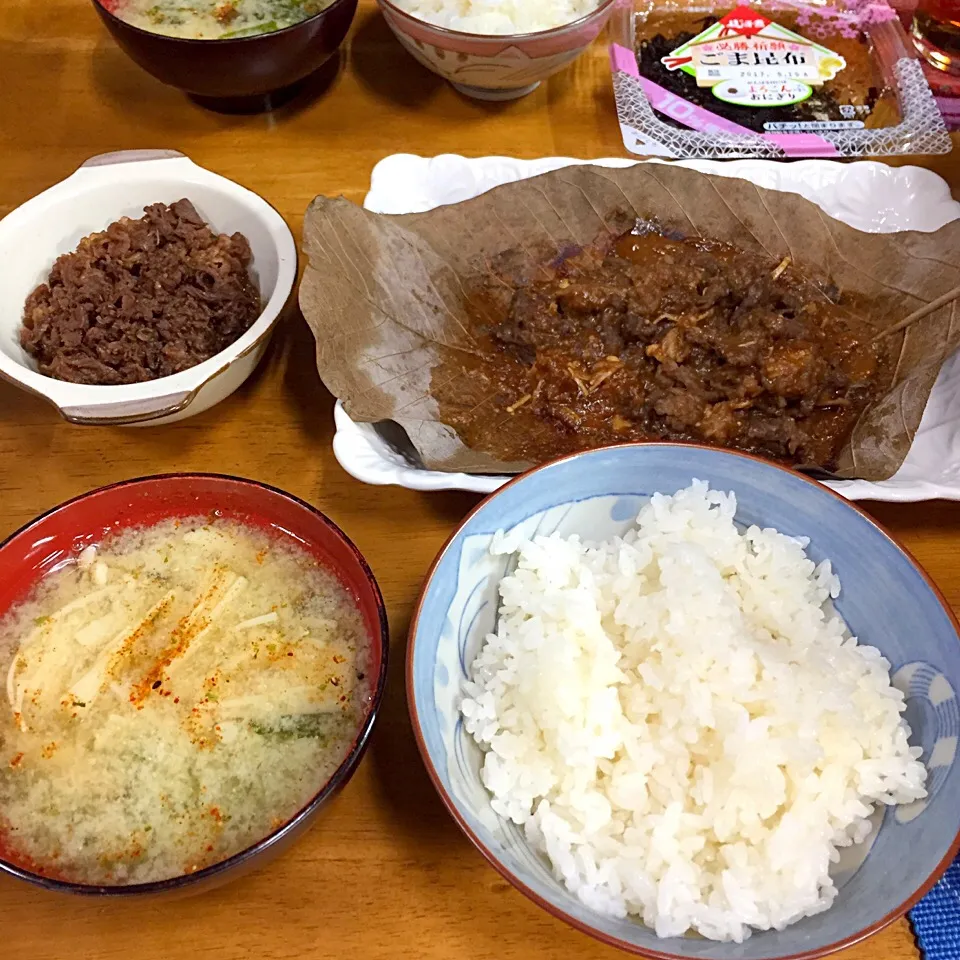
(667,338)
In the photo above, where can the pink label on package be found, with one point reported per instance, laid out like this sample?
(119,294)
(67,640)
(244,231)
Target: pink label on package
(802,144)
(697,118)
(624,60)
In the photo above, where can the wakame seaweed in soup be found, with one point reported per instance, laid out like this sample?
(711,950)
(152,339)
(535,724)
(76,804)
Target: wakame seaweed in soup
(214,19)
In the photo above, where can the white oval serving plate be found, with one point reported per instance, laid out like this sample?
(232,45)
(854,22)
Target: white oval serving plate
(870,196)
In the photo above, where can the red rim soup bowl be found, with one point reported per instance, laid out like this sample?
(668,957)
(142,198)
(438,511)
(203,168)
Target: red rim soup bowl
(59,534)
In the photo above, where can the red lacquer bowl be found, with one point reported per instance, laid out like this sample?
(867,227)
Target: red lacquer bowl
(43,544)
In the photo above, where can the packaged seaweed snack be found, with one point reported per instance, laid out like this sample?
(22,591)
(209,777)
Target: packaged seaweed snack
(771,79)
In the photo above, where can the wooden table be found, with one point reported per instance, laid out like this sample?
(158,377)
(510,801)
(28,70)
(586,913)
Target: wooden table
(385,873)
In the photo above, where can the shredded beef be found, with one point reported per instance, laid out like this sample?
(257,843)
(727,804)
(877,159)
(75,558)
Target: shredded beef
(664,337)
(143,299)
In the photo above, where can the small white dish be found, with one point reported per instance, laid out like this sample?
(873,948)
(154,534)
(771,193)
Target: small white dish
(870,196)
(100,192)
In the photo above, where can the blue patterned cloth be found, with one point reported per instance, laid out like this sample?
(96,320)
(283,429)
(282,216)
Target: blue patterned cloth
(936,918)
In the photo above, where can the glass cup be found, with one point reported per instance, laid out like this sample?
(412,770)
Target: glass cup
(936,33)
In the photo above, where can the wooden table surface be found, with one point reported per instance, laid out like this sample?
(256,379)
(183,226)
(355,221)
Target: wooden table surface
(385,873)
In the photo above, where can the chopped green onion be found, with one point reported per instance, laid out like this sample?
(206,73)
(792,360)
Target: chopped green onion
(251,31)
(298,726)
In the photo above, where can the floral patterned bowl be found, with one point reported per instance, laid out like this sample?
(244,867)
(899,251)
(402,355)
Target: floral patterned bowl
(495,67)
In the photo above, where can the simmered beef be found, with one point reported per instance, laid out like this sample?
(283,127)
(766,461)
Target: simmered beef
(678,339)
(143,299)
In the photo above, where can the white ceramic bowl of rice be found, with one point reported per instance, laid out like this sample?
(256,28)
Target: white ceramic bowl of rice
(677,695)
(496,49)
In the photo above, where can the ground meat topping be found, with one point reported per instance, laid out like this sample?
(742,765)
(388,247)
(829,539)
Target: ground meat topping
(143,299)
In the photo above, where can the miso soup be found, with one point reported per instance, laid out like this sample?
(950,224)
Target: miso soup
(172,697)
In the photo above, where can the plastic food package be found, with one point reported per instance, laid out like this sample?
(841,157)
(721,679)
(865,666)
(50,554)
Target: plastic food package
(946,91)
(773,78)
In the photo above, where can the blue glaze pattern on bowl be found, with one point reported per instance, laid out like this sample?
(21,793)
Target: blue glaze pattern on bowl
(886,600)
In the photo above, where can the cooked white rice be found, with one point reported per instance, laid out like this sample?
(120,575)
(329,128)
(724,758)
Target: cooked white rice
(682,724)
(499,16)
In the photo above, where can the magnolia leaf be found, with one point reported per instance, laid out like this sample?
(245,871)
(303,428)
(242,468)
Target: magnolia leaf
(398,303)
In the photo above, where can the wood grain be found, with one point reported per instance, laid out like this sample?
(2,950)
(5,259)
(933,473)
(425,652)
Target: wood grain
(385,873)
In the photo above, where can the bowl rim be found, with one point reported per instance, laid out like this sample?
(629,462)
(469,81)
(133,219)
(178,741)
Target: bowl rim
(340,776)
(515,881)
(185,385)
(219,40)
(506,38)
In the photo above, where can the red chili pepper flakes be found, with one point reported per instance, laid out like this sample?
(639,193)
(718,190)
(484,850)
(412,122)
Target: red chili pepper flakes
(49,750)
(181,637)
(11,854)
(16,760)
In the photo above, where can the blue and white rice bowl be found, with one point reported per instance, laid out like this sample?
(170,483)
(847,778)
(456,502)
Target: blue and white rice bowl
(887,602)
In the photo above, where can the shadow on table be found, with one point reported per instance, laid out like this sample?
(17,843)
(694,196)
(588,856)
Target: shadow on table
(19,408)
(382,66)
(305,94)
(394,754)
(124,86)
(451,506)
(313,403)
(396,760)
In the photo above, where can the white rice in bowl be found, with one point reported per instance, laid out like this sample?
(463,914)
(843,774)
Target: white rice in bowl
(498,17)
(680,721)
